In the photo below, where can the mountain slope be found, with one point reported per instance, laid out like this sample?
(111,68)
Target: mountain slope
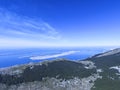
(56,74)
(109,63)
(107,59)
(100,72)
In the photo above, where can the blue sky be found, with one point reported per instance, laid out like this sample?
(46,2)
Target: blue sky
(37,23)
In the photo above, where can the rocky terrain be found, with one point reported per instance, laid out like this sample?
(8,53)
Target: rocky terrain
(100,72)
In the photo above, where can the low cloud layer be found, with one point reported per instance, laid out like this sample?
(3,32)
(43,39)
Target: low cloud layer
(53,56)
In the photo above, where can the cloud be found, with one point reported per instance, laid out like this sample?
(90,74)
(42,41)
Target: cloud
(17,26)
(53,56)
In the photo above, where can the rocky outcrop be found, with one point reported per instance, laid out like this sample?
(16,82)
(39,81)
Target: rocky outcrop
(55,84)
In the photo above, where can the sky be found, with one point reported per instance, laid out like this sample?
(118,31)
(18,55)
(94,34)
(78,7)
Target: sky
(59,23)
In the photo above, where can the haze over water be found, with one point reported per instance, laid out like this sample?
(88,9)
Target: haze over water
(12,57)
(56,23)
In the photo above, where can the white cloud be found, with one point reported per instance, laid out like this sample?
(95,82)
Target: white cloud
(53,56)
(13,25)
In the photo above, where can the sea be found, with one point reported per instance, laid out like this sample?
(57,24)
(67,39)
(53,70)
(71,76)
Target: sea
(11,57)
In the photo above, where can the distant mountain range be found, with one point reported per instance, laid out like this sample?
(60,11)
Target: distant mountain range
(99,72)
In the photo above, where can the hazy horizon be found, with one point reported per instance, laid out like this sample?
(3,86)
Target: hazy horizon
(61,23)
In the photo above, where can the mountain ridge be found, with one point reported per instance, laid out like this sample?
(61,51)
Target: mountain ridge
(96,73)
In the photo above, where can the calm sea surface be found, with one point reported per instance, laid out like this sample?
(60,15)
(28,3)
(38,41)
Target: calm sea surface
(12,57)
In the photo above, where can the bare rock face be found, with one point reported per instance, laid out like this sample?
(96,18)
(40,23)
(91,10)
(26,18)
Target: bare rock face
(53,75)
(100,72)
(88,64)
(55,84)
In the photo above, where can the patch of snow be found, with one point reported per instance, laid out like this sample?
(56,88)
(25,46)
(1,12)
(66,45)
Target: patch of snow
(99,70)
(116,67)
